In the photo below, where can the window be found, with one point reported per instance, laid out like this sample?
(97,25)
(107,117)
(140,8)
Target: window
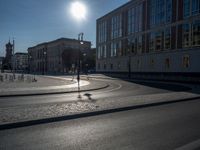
(159,39)
(168,10)
(116,28)
(196,33)
(104,51)
(195,7)
(186,35)
(116,48)
(151,42)
(99,66)
(167,41)
(132,42)
(186,61)
(135,19)
(160,12)
(167,63)
(186,8)
(99,52)
(102,32)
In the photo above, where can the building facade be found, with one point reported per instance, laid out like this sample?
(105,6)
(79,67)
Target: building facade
(20,61)
(1,62)
(56,57)
(7,62)
(150,36)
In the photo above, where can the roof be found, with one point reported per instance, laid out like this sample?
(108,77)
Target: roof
(54,41)
(21,53)
(117,9)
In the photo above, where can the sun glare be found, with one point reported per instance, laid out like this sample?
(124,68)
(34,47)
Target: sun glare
(78,10)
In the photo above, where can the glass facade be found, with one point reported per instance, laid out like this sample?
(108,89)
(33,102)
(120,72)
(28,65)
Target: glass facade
(116,26)
(151,42)
(167,40)
(102,32)
(191,8)
(102,52)
(160,12)
(147,27)
(196,33)
(116,49)
(158,40)
(186,8)
(186,35)
(135,19)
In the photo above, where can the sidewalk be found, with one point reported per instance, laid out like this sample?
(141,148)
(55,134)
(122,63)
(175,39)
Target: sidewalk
(44,113)
(48,85)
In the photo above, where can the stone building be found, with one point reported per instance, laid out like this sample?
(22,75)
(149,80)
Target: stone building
(56,57)
(20,61)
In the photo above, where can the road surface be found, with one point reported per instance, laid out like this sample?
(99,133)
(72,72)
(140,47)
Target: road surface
(163,127)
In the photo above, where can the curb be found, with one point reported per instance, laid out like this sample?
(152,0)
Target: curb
(88,114)
(53,93)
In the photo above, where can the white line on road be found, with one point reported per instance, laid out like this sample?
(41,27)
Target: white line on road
(195,145)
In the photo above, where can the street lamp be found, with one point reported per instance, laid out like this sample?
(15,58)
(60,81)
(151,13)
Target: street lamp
(80,40)
(44,68)
(129,63)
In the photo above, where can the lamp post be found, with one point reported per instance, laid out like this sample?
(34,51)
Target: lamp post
(44,68)
(80,40)
(129,63)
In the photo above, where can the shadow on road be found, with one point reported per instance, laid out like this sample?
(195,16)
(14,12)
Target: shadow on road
(163,84)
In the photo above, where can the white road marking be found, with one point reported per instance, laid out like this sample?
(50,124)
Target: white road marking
(195,145)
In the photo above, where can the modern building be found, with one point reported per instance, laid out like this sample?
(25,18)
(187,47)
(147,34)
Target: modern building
(58,56)
(150,37)
(20,61)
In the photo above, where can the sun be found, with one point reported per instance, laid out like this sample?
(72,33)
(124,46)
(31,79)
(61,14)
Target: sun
(78,10)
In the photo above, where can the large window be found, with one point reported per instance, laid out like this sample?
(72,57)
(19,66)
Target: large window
(196,33)
(191,7)
(135,19)
(186,35)
(186,8)
(102,32)
(151,42)
(135,44)
(116,28)
(160,12)
(116,49)
(195,7)
(159,39)
(167,41)
(102,52)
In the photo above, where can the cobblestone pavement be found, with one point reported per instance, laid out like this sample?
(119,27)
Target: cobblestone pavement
(48,110)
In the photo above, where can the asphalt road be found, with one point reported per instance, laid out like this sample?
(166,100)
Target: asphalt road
(117,89)
(163,127)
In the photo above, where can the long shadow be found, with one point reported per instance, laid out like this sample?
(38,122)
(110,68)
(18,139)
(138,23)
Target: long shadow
(170,85)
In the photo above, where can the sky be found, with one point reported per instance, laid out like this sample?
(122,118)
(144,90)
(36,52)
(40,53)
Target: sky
(31,22)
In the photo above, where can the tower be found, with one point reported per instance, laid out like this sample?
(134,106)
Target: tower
(8,58)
